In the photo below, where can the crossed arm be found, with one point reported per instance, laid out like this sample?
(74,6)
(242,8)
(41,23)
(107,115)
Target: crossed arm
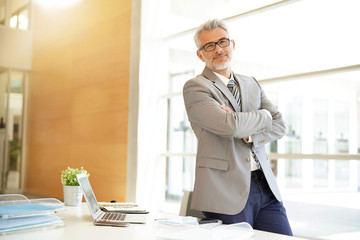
(229,110)
(202,104)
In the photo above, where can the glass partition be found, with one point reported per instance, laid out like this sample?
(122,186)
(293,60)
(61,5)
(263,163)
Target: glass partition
(11,129)
(4,79)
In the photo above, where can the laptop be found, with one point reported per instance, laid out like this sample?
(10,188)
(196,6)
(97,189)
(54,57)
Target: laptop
(100,217)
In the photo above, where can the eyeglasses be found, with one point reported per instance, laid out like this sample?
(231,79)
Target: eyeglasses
(208,47)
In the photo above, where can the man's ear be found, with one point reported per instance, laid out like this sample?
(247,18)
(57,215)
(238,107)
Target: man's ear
(198,53)
(233,43)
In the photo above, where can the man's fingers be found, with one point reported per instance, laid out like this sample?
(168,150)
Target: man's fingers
(227,109)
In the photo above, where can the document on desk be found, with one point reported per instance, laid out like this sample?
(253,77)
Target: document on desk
(25,209)
(122,207)
(19,214)
(238,231)
(30,222)
(133,210)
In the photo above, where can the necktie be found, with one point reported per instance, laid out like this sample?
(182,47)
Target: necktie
(234,90)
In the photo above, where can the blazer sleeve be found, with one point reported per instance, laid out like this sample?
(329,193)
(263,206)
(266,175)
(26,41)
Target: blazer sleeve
(278,128)
(202,102)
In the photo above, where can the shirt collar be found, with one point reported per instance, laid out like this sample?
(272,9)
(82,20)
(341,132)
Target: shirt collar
(224,79)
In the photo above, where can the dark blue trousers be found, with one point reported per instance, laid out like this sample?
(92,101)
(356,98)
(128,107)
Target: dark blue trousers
(262,210)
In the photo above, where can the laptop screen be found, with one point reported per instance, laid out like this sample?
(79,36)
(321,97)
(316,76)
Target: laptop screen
(88,194)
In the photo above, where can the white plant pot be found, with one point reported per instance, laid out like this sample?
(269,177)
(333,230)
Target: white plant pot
(72,195)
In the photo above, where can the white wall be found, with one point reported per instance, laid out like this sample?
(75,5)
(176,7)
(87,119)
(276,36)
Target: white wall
(15,48)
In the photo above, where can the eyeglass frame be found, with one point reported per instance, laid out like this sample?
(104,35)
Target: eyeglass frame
(221,39)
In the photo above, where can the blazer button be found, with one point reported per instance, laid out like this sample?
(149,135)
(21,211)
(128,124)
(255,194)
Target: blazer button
(248,159)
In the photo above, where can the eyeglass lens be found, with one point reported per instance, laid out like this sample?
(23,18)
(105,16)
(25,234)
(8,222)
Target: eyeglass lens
(224,42)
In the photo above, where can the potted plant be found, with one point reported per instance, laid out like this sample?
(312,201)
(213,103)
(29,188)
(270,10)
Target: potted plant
(72,191)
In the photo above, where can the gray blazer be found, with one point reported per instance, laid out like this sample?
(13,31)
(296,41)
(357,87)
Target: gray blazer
(223,164)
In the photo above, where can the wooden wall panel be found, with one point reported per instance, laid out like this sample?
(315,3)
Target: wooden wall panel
(78,91)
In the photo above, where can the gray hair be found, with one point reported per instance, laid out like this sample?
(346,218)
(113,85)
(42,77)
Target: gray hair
(208,26)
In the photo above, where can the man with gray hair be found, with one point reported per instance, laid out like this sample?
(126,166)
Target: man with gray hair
(232,119)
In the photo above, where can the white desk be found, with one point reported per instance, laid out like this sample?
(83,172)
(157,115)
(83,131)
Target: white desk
(78,225)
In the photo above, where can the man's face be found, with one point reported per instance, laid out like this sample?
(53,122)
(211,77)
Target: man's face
(220,58)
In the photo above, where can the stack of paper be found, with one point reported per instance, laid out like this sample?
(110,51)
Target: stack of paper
(17,213)
(124,207)
(187,228)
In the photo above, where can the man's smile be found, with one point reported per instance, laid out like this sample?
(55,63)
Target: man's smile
(220,57)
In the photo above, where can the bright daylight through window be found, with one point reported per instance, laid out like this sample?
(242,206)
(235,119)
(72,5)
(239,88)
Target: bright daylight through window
(306,56)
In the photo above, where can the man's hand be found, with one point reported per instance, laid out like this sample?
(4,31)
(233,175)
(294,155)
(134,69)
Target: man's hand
(226,108)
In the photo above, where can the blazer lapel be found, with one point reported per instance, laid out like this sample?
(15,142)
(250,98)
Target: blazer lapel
(223,88)
(243,93)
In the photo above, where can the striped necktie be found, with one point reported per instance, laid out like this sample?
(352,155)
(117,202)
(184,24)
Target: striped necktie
(234,90)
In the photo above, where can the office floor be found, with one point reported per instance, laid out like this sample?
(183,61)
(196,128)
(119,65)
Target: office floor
(337,217)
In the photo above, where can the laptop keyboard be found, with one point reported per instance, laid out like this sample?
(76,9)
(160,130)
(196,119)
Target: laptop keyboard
(113,216)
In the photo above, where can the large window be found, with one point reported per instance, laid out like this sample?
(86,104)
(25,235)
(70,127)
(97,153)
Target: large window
(321,113)
(305,55)
(15,13)
(19,14)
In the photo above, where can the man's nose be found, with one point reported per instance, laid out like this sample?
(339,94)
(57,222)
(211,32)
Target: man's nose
(218,48)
